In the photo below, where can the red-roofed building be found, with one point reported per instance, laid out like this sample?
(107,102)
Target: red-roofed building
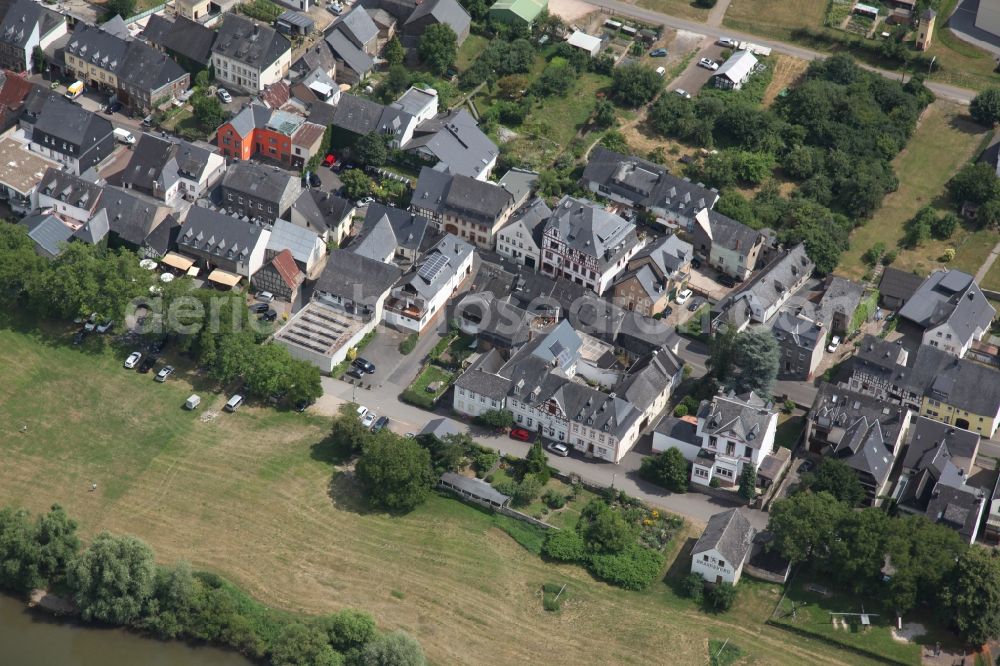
(13,92)
(280,276)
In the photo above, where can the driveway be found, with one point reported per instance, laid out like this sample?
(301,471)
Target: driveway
(694,77)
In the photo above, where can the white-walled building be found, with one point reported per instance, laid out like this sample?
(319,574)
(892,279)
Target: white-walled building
(423,292)
(733,431)
(723,549)
(248,55)
(520,240)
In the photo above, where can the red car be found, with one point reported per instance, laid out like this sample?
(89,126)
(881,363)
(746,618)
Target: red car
(329,160)
(521,434)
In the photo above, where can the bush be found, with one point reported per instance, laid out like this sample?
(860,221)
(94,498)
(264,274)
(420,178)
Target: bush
(506,486)
(632,569)
(721,596)
(564,546)
(527,490)
(496,418)
(788,407)
(554,499)
(484,460)
(408,344)
(680,410)
(692,586)
(668,469)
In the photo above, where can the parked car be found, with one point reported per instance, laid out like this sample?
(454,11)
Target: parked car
(259,308)
(132,360)
(113,107)
(148,121)
(270,315)
(164,372)
(683,93)
(365,365)
(312,180)
(265,296)
(559,449)
(224,95)
(708,64)
(383,421)
(521,434)
(329,160)
(661,71)
(91,323)
(727,280)
(367,201)
(727,42)
(667,311)
(658,53)
(362,410)
(834,343)
(234,403)
(147,364)
(105,327)
(694,305)
(368,420)
(682,296)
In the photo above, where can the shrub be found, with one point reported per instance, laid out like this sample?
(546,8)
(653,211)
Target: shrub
(564,546)
(632,569)
(485,460)
(408,344)
(889,257)
(722,596)
(527,490)
(714,483)
(496,418)
(788,407)
(506,486)
(692,586)
(680,410)
(554,499)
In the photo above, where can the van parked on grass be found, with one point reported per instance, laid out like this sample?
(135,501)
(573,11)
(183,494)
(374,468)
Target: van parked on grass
(234,403)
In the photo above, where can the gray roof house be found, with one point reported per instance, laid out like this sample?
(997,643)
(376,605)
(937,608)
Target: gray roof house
(356,284)
(723,548)
(520,240)
(48,232)
(307,248)
(224,242)
(730,246)
(838,304)
(67,133)
(357,25)
(935,478)
(259,191)
(188,41)
(353,64)
(461,205)
(390,233)
(441,428)
(645,185)
(776,283)
(27,25)
(132,217)
(423,292)
(249,55)
(652,274)
(897,287)
(455,144)
(800,342)
(433,12)
(323,213)
(949,311)
(863,432)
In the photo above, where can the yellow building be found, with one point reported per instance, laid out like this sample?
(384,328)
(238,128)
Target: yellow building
(983,424)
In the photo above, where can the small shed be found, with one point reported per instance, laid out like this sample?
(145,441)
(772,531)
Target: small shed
(294,23)
(517,12)
(736,71)
(588,43)
(866,10)
(193,401)
(474,490)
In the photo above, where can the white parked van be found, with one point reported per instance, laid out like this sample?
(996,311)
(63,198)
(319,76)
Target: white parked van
(234,403)
(124,136)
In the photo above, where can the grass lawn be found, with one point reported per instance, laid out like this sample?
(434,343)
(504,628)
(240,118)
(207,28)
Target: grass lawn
(469,51)
(790,427)
(812,615)
(774,18)
(249,495)
(945,138)
(680,8)
(992,279)
(417,392)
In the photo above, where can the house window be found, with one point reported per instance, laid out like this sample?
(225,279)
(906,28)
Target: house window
(722,563)
(704,558)
(747,452)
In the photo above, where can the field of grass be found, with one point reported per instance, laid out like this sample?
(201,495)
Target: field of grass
(249,495)
(417,392)
(469,51)
(680,8)
(946,139)
(789,431)
(774,18)
(812,615)
(992,279)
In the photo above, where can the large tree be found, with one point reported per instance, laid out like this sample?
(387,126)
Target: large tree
(113,579)
(668,470)
(371,149)
(975,183)
(755,362)
(972,596)
(300,645)
(804,523)
(836,478)
(395,472)
(357,184)
(55,533)
(20,265)
(393,52)
(19,552)
(395,649)
(985,107)
(604,530)
(634,85)
(438,47)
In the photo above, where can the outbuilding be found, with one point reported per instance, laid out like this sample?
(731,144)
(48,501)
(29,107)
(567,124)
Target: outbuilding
(193,401)
(517,12)
(723,547)
(736,71)
(588,43)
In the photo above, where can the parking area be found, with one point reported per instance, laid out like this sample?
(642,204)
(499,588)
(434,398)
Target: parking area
(694,77)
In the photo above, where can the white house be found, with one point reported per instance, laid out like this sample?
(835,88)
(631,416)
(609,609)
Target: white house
(307,248)
(423,292)
(520,241)
(588,43)
(723,549)
(950,312)
(734,431)
(248,55)
(736,71)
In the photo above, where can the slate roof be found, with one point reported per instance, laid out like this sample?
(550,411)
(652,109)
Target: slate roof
(951,297)
(416,100)
(456,140)
(519,182)
(441,428)
(349,53)
(131,217)
(730,234)
(20,19)
(482,379)
(250,118)
(841,296)
(48,232)
(163,238)
(182,36)
(458,195)
(236,40)
(406,229)
(323,210)
(680,429)
(863,429)
(742,417)
(454,250)
(645,381)
(670,254)
(149,164)
(878,356)
(287,236)
(318,56)
(961,383)
(645,183)
(70,188)
(797,330)
(357,114)
(730,533)
(99,48)
(448,12)
(898,284)
(358,25)
(64,120)
(267,183)
(357,278)
(928,435)
(93,230)
(531,218)
(773,284)
(219,235)
(592,230)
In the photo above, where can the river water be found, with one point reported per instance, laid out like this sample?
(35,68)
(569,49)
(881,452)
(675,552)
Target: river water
(34,639)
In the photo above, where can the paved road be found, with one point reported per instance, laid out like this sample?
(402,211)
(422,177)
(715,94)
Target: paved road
(942,90)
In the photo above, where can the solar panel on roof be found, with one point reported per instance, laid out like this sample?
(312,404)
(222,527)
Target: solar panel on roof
(433,267)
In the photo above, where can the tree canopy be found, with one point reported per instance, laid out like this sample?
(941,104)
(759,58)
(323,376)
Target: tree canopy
(668,470)
(113,579)
(395,472)
(745,361)
(834,477)
(985,107)
(438,47)
(634,85)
